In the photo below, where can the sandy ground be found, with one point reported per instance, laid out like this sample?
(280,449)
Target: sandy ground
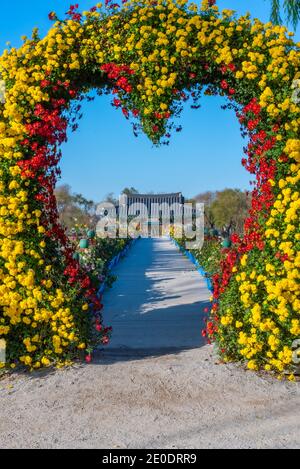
(177,400)
(171,392)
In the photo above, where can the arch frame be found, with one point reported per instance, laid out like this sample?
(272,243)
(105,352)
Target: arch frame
(152,56)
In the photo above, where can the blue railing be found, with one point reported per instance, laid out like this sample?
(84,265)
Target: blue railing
(114,261)
(193,259)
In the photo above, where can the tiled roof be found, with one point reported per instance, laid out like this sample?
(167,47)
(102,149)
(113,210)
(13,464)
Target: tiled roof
(175,194)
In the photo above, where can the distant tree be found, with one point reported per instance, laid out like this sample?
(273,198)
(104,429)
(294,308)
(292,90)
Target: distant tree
(110,197)
(129,191)
(74,208)
(207,199)
(229,210)
(87,205)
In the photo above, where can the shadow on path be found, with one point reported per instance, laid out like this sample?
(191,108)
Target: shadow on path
(156,305)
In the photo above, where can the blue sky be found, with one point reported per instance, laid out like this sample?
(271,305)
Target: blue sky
(103,155)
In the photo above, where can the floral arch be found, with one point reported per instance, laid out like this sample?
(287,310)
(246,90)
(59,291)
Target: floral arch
(151,55)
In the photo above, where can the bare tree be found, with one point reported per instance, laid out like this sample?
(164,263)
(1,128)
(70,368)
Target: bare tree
(74,208)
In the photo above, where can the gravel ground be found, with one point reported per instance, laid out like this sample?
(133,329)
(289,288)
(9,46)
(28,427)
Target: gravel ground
(144,400)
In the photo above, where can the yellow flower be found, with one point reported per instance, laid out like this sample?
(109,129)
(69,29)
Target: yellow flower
(252,365)
(45,361)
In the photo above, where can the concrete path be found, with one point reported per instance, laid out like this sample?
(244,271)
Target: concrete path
(136,393)
(157,301)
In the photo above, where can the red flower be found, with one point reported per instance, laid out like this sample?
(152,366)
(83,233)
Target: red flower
(52,16)
(235,238)
(88,358)
(210,328)
(117,102)
(45,83)
(252,124)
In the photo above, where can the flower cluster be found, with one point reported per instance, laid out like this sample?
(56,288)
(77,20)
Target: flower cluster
(152,56)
